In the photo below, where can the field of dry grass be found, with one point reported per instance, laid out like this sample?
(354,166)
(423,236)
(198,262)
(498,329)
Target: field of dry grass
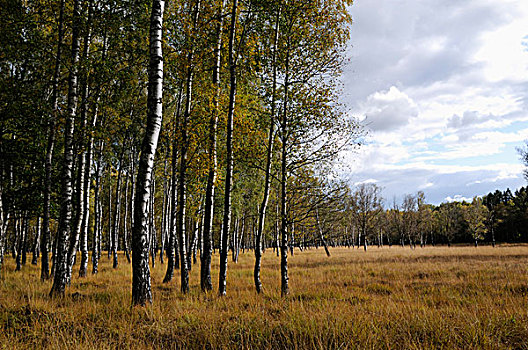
(393,298)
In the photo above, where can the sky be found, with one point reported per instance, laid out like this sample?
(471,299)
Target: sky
(442,89)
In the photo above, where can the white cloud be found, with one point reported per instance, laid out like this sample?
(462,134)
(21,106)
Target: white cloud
(367,181)
(427,185)
(457,198)
(503,174)
(467,119)
(503,53)
(388,110)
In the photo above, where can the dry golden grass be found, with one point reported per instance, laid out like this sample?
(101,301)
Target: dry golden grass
(393,298)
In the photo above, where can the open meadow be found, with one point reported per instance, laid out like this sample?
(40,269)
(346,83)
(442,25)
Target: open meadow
(393,298)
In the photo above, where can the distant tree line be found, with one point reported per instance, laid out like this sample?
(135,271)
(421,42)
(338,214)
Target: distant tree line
(364,220)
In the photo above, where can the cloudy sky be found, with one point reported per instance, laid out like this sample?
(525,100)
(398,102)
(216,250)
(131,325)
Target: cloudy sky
(442,86)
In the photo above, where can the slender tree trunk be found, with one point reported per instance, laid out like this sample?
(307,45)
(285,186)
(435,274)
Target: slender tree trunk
(207,233)
(117,217)
(86,217)
(87,178)
(110,236)
(82,192)
(96,243)
(14,238)
(192,237)
(88,154)
(25,232)
(162,228)
(164,212)
(172,260)
(226,223)
(269,156)
(182,180)
(125,222)
(152,223)
(239,239)
(48,162)
(321,234)
(284,181)
(292,241)
(16,233)
(36,242)
(133,157)
(20,241)
(141,289)
(60,278)
(79,208)
(181,203)
(169,274)
(180,224)
(4,220)
(54,254)
(200,238)
(492,236)
(234,242)
(117,212)
(277,229)
(100,231)
(194,246)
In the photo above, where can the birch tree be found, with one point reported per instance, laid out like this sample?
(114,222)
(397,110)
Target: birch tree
(60,279)
(46,235)
(410,218)
(269,154)
(141,289)
(4,219)
(226,222)
(476,214)
(207,234)
(449,216)
(312,129)
(183,154)
(84,152)
(367,207)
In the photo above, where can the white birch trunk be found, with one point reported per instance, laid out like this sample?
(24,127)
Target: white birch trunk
(226,222)
(207,232)
(269,157)
(60,279)
(46,235)
(141,289)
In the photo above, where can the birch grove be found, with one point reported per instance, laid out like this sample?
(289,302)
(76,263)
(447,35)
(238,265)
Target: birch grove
(251,120)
